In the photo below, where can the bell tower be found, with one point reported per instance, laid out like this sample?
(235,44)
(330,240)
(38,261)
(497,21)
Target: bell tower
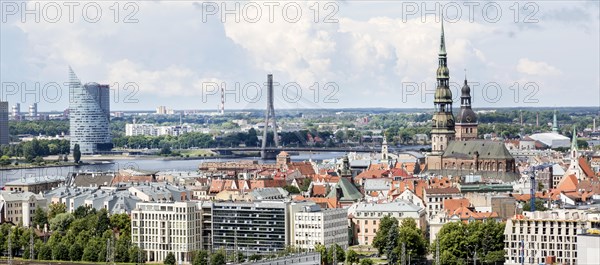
(442,130)
(466,121)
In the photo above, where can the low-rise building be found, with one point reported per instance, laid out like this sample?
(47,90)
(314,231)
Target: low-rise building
(163,228)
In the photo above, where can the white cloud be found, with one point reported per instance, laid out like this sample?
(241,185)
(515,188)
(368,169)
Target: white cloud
(529,67)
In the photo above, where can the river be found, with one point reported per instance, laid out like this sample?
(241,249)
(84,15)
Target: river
(152,164)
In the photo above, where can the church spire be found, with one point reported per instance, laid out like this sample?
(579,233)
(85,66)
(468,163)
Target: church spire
(442,38)
(574,140)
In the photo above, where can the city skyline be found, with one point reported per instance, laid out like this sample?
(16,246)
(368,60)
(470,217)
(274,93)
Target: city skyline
(368,55)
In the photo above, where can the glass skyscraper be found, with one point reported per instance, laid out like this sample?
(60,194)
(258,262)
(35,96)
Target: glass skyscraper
(89,116)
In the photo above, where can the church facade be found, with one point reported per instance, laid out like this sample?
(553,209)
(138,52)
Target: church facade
(455,149)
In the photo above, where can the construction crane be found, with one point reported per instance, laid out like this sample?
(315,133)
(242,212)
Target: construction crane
(532,172)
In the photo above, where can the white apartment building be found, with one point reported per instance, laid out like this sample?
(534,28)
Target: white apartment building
(19,207)
(313,225)
(162,228)
(147,129)
(535,236)
(588,248)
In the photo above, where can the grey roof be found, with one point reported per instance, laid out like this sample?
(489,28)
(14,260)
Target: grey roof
(485,148)
(376,184)
(35,180)
(360,163)
(10,196)
(413,153)
(395,206)
(557,170)
(269,193)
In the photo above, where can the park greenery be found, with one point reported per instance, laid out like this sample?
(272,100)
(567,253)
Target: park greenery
(391,238)
(460,243)
(79,236)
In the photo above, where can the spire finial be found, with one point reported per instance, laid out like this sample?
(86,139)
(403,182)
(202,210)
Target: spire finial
(465,76)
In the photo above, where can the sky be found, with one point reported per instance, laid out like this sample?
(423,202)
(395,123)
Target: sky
(326,54)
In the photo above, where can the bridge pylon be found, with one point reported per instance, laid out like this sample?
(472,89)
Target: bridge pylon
(269,116)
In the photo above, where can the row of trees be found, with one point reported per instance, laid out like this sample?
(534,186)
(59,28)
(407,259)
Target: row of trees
(35,148)
(79,236)
(391,239)
(459,243)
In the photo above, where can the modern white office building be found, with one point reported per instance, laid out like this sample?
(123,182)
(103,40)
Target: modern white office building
(534,237)
(89,116)
(169,227)
(313,225)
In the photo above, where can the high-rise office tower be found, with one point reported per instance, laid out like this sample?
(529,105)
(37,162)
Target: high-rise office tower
(33,110)
(89,115)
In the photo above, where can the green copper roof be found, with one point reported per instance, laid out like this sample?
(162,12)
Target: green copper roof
(485,148)
(349,191)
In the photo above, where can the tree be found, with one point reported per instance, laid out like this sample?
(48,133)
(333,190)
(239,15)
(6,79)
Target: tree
(335,253)
(61,222)
(539,205)
(103,223)
(459,241)
(254,257)
(351,256)
(136,255)
(381,237)
(412,237)
(321,249)
(201,258)
(122,249)
(305,184)
(122,223)
(76,153)
(56,208)
(39,217)
(169,259)
(417,168)
(391,245)
(217,258)
(60,251)
(367,262)
(291,189)
(45,252)
(75,252)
